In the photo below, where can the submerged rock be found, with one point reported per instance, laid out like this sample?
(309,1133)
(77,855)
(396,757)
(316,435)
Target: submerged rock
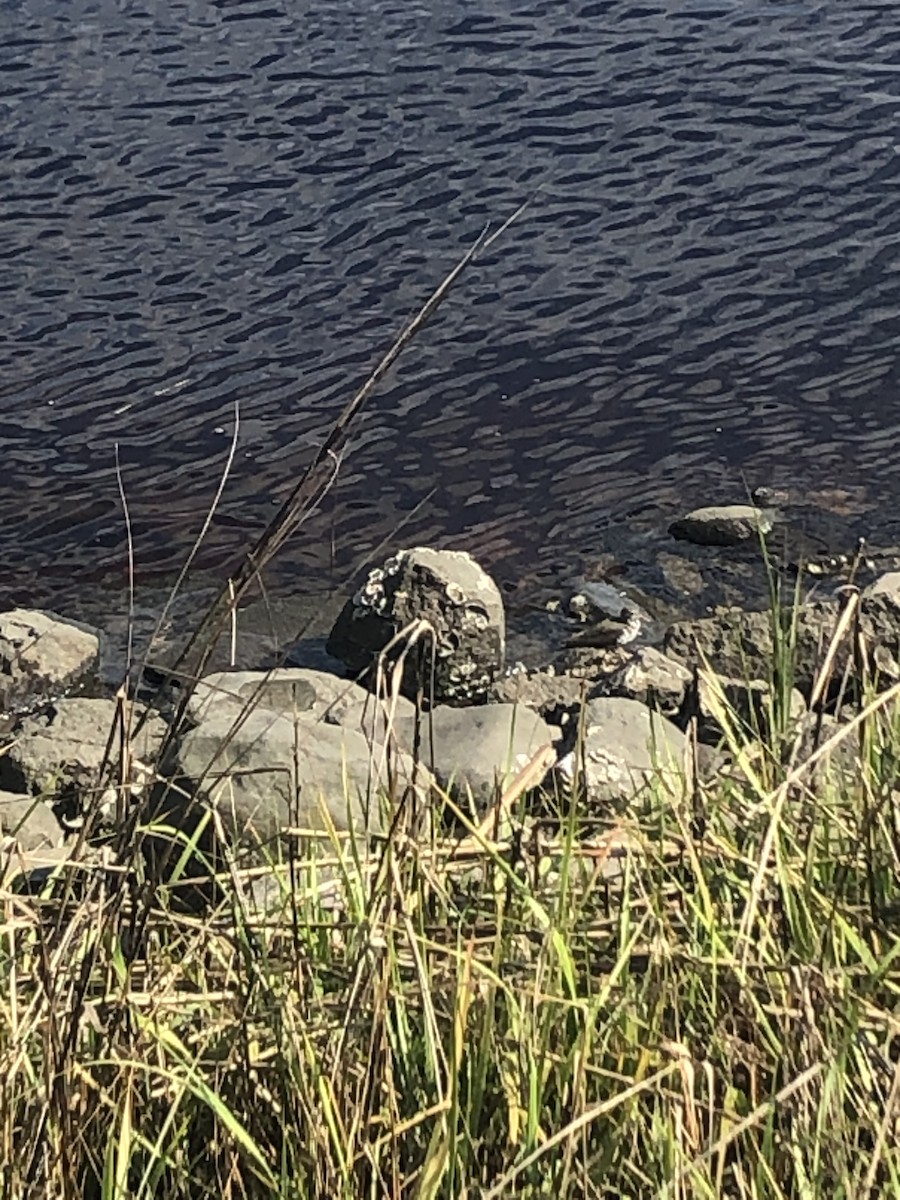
(722,525)
(458,600)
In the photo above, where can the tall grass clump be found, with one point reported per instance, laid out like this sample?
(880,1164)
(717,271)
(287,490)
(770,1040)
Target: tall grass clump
(696,997)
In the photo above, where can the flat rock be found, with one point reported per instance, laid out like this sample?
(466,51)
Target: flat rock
(480,750)
(63,748)
(626,748)
(722,525)
(29,822)
(41,654)
(317,695)
(460,602)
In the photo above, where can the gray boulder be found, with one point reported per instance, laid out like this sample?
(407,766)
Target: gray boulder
(626,748)
(480,751)
(460,602)
(62,749)
(722,525)
(41,654)
(317,695)
(252,784)
(29,822)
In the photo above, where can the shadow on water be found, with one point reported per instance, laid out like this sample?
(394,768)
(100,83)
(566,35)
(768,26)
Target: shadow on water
(221,202)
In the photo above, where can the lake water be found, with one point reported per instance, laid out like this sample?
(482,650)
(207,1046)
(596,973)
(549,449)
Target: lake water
(211,203)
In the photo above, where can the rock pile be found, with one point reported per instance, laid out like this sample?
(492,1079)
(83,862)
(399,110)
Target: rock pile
(266,758)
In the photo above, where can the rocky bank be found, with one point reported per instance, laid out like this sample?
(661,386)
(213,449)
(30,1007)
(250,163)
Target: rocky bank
(422,704)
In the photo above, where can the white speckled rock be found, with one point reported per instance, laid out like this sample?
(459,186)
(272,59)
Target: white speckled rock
(626,748)
(460,602)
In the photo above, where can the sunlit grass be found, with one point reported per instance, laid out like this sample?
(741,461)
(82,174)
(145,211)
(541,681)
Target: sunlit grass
(453,1016)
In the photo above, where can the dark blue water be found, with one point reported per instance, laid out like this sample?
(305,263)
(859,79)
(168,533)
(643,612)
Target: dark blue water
(207,204)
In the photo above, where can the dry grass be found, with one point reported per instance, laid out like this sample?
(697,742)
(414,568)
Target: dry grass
(697,999)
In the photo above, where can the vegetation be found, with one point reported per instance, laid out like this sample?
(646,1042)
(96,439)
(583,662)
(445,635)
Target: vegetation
(697,997)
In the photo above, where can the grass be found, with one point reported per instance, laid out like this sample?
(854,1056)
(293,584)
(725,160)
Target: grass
(697,997)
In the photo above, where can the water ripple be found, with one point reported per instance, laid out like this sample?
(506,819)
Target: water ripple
(240,202)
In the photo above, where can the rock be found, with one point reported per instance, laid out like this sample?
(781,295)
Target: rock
(885,585)
(608,616)
(682,576)
(29,872)
(273,774)
(591,663)
(547,691)
(723,525)
(748,703)
(455,596)
(29,822)
(839,766)
(481,750)
(739,644)
(60,751)
(316,694)
(733,643)
(650,677)
(41,654)
(626,748)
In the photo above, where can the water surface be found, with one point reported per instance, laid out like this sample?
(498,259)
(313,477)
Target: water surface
(209,205)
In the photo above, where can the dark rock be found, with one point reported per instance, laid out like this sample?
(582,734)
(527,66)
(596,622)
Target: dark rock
(739,644)
(839,766)
(748,707)
(724,525)
(460,602)
(544,691)
(590,663)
